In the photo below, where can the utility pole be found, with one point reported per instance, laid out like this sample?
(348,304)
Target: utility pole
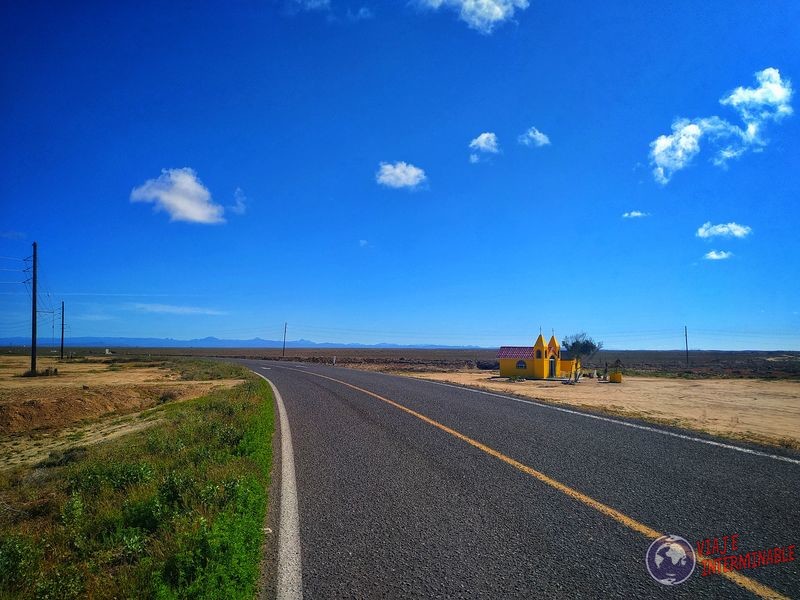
(62,330)
(686,337)
(285,324)
(33,314)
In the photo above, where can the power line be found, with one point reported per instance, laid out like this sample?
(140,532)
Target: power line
(19,329)
(15,323)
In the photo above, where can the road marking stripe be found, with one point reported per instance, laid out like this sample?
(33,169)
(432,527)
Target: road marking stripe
(290,573)
(599,418)
(617,422)
(751,585)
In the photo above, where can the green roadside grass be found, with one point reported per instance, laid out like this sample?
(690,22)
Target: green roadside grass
(174,511)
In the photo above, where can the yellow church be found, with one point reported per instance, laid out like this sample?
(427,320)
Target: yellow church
(542,361)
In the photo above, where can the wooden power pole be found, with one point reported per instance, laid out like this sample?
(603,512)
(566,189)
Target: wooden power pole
(285,325)
(62,330)
(686,338)
(33,313)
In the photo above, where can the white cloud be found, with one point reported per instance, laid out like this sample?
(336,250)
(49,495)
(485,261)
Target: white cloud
(363,243)
(362,14)
(181,194)
(534,137)
(671,153)
(717,255)
(115,294)
(634,214)
(239,206)
(485,142)
(727,153)
(170,309)
(332,14)
(707,230)
(312,4)
(481,15)
(768,102)
(94,317)
(399,175)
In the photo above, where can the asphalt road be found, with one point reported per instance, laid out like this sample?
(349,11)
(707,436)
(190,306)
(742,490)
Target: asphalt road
(395,506)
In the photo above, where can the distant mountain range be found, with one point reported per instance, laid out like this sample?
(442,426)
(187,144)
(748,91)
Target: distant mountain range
(209,342)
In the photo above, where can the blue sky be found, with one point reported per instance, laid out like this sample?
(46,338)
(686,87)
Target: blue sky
(415,172)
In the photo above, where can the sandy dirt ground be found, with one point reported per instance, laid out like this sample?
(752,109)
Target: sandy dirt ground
(27,450)
(749,409)
(86,403)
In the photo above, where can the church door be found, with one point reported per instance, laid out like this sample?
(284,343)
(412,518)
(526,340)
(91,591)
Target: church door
(552,367)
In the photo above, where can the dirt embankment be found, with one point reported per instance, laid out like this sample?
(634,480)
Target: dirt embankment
(41,408)
(87,402)
(84,391)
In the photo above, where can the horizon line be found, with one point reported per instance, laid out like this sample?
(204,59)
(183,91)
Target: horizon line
(100,341)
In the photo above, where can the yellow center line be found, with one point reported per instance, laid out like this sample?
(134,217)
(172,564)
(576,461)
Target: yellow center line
(751,585)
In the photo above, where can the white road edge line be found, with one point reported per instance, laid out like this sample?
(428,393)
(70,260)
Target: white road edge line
(290,572)
(618,422)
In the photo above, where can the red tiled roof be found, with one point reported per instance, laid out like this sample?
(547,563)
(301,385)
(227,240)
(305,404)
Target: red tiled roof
(515,352)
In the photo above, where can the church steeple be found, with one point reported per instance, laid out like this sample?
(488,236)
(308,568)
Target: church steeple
(540,343)
(554,347)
